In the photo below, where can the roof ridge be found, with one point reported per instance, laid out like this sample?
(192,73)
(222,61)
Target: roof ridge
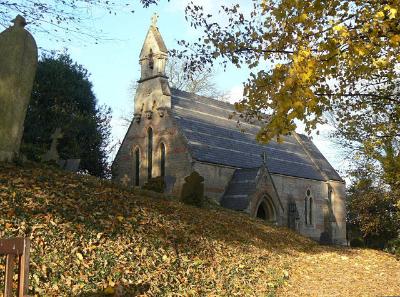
(197,96)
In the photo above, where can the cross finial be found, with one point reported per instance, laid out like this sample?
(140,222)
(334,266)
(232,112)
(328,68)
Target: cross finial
(154,20)
(19,21)
(264,157)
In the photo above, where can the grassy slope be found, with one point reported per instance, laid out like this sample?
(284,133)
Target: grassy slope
(89,236)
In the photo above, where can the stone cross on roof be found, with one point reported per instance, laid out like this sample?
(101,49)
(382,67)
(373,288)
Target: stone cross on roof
(19,21)
(264,158)
(154,19)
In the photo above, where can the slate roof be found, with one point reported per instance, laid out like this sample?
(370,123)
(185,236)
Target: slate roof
(214,138)
(240,188)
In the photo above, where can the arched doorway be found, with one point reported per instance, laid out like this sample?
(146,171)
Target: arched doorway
(266,210)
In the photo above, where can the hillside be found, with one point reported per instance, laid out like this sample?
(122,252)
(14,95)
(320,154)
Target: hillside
(91,238)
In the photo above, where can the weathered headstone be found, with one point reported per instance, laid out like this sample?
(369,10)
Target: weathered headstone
(193,189)
(18,63)
(72,165)
(52,154)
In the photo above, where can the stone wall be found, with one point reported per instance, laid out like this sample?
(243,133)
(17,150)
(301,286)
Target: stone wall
(339,210)
(216,178)
(178,161)
(291,188)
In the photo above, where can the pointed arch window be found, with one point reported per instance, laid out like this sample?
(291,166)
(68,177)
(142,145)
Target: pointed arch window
(149,152)
(162,159)
(308,208)
(137,167)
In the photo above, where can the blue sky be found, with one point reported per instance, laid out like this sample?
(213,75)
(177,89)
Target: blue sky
(114,65)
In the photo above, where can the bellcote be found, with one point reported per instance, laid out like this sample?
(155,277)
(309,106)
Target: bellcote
(154,54)
(153,95)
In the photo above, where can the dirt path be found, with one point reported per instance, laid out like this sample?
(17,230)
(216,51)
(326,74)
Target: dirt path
(343,272)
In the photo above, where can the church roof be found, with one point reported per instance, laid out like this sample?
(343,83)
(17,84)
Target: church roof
(241,186)
(214,138)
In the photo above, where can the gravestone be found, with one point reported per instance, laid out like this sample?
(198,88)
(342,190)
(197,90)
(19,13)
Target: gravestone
(18,63)
(125,180)
(52,154)
(193,189)
(71,165)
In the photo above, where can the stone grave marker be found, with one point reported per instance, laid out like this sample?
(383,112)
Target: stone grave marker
(71,165)
(125,180)
(193,189)
(18,63)
(52,154)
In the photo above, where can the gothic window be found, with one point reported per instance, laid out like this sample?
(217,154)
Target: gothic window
(305,210)
(162,159)
(330,191)
(308,208)
(149,152)
(137,167)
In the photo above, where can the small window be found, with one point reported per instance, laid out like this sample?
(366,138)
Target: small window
(330,190)
(305,210)
(162,159)
(137,167)
(149,152)
(308,208)
(151,59)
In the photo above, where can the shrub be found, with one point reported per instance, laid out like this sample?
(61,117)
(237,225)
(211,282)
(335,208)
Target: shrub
(156,184)
(357,242)
(325,238)
(393,247)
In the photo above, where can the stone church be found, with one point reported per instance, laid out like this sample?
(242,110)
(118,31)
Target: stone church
(174,133)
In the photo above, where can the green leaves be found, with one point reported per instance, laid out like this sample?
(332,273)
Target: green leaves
(62,97)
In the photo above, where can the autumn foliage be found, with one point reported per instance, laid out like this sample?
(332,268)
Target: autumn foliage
(306,58)
(93,238)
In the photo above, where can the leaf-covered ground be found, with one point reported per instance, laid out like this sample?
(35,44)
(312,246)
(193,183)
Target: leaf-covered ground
(92,238)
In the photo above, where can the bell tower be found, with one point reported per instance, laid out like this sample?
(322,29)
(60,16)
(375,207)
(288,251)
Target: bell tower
(153,93)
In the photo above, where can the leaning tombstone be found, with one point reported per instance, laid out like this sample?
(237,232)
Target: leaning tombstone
(193,189)
(18,62)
